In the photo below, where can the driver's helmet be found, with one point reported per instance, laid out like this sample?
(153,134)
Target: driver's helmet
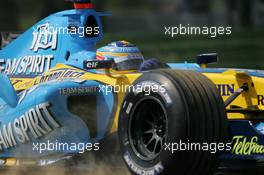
(126,56)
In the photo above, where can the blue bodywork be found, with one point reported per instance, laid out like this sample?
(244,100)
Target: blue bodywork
(31,55)
(70,48)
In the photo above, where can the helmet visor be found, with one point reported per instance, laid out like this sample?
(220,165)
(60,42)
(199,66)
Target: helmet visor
(131,64)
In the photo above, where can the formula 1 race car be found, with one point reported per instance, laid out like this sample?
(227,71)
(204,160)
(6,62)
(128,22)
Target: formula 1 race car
(56,99)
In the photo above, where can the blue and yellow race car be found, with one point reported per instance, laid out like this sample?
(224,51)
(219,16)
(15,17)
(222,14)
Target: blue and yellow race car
(60,96)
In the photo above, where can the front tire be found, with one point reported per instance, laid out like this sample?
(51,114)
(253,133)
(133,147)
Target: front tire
(183,107)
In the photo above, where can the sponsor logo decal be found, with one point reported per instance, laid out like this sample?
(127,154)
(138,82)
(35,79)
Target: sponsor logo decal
(37,122)
(92,65)
(107,64)
(78,90)
(157,169)
(261,100)
(226,89)
(16,81)
(43,38)
(244,146)
(129,107)
(59,74)
(32,64)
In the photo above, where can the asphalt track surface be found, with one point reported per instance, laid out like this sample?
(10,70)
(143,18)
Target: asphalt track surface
(62,171)
(110,166)
(103,171)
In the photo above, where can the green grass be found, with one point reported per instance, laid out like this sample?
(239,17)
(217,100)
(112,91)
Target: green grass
(242,49)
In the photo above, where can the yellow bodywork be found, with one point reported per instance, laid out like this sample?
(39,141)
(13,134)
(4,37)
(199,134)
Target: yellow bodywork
(248,99)
(113,79)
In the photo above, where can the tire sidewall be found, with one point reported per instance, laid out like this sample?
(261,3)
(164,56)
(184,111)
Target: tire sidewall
(169,96)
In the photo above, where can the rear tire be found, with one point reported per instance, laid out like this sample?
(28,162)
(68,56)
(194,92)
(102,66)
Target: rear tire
(187,108)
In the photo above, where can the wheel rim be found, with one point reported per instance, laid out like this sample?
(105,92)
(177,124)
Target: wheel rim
(148,127)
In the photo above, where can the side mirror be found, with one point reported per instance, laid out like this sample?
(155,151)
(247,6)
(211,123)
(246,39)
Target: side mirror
(205,59)
(7,91)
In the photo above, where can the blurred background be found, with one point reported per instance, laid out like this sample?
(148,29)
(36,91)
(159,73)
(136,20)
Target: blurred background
(142,22)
